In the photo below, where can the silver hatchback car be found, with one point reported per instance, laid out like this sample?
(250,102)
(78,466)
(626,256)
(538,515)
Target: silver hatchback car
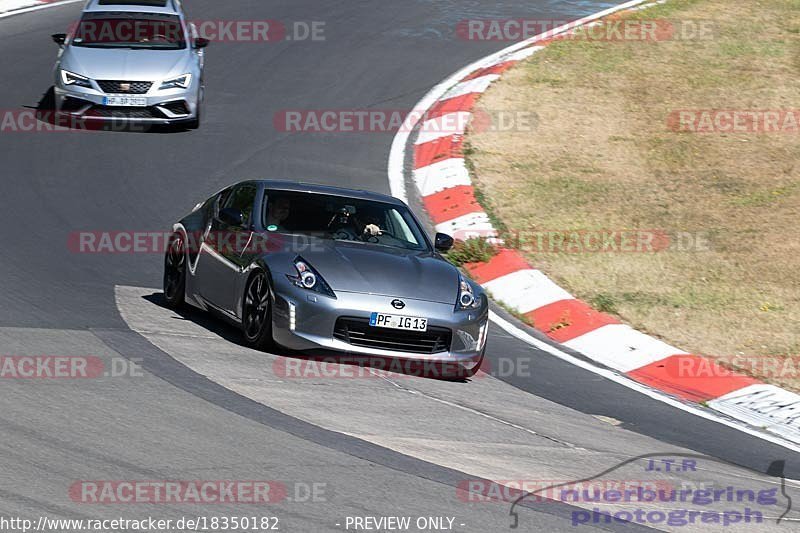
(136,61)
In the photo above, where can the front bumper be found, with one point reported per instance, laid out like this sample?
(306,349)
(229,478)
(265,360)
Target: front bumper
(305,320)
(163,107)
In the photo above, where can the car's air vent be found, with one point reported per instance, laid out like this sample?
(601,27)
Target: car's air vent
(125,87)
(358,332)
(124,112)
(176,108)
(71,105)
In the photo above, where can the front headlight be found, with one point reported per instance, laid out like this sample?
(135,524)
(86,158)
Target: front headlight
(467,299)
(70,78)
(308,278)
(180,82)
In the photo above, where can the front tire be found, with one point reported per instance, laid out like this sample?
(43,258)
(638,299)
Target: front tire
(175,272)
(257,312)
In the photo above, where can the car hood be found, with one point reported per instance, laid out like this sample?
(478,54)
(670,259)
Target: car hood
(353,267)
(124,63)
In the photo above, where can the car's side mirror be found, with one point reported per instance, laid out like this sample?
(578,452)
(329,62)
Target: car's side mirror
(201,42)
(59,38)
(231,216)
(443,242)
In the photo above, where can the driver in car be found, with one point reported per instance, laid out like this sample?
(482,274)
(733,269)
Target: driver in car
(279,210)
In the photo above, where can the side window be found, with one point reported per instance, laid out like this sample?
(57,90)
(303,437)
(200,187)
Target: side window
(242,198)
(400,228)
(219,201)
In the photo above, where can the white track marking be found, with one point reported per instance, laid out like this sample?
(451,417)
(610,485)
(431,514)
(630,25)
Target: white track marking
(477,222)
(397,155)
(444,126)
(621,347)
(486,428)
(526,290)
(478,85)
(9,5)
(397,184)
(441,175)
(611,375)
(763,405)
(37,8)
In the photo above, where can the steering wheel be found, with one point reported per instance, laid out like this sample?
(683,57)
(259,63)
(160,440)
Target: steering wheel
(342,235)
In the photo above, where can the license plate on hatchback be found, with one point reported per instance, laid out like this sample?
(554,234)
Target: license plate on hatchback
(125,101)
(413,323)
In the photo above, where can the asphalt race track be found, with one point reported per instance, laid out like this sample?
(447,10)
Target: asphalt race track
(189,415)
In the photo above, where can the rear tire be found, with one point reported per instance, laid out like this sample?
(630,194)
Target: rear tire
(257,312)
(175,271)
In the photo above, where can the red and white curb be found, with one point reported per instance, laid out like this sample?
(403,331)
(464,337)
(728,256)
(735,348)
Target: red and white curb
(17,7)
(443,182)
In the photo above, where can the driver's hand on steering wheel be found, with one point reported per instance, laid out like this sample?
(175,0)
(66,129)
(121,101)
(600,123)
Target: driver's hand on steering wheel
(372,230)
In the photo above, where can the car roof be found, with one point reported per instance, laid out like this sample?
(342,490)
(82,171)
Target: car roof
(167,7)
(295,186)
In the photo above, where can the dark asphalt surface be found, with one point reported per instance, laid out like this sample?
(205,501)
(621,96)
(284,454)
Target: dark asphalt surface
(377,54)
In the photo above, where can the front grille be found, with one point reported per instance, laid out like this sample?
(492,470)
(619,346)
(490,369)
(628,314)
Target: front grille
(358,332)
(123,112)
(125,87)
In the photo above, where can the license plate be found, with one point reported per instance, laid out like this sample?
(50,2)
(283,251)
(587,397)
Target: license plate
(125,101)
(414,323)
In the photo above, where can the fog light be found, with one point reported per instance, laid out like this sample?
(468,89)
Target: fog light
(292,316)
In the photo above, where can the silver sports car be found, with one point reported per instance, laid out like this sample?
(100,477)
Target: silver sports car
(134,61)
(312,267)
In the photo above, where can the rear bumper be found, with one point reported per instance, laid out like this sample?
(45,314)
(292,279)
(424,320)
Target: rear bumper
(305,320)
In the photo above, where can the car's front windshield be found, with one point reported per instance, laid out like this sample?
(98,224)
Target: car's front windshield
(342,219)
(130,30)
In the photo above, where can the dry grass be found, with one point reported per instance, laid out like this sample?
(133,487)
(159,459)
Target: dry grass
(602,156)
